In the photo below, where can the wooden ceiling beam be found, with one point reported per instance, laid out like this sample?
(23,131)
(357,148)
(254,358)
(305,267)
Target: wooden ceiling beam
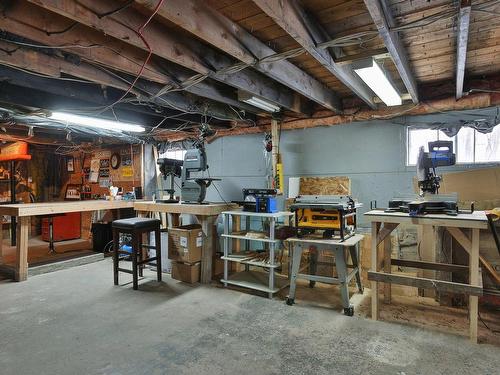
(380,13)
(38,62)
(462,38)
(290,16)
(33,23)
(472,101)
(213,27)
(165,43)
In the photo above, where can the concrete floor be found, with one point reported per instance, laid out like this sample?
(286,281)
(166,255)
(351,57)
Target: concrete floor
(75,321)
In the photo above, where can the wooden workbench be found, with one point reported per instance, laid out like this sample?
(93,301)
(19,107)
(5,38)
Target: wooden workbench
(383,223)
(24,212)
(206,215)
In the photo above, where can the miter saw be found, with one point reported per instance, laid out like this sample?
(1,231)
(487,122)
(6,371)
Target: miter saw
(429,201)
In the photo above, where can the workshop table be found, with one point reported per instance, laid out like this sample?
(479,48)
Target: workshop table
(382,225)
(24,211)
(339,249)
(205,213)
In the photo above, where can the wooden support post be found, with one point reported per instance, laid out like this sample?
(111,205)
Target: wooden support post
(374,267)
(466,244)
(275,155)
(236,228)
(387,267)
(427,253)
(1,239)
(474,281)
(207,252)
(22,233)
(175,220)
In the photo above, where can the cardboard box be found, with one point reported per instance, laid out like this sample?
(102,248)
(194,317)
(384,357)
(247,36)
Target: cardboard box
(188,273)
(185,243)
(218,267)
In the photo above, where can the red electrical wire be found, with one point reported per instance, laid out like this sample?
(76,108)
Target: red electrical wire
(150,53)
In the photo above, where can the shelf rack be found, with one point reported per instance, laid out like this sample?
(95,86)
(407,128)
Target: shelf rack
(257,279)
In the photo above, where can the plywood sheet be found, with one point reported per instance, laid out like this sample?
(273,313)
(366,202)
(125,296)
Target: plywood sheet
(481,186)
(331,185)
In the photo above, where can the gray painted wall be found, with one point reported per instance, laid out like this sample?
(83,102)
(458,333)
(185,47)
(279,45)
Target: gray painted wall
(372,154)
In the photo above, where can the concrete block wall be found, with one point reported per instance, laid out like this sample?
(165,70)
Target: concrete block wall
(372,154)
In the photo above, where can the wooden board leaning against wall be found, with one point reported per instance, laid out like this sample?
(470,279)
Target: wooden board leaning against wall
(96,171)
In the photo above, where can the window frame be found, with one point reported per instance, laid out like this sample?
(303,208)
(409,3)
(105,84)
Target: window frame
(455,140)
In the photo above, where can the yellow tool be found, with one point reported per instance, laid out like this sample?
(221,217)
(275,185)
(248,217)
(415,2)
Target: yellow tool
(332,214)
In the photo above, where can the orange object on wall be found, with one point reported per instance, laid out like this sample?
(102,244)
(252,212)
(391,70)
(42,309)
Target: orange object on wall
(65,226)
(15,151)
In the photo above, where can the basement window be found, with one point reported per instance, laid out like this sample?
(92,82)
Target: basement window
(470,146)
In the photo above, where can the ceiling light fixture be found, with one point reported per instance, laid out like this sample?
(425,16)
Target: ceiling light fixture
(96,122)
(258,102)
(373,75)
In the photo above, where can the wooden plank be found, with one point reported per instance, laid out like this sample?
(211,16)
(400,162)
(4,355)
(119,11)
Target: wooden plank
(334,185)
(387,267)
(420,282)
(207,251)
(467,245)
(306,31)
(444,267)
(427,251)
(22,233)
(385,231)
(475,220)
(35,209)
(383,20)
(380,53)
(374,268)
(210,209)
(187,52)
(474,281)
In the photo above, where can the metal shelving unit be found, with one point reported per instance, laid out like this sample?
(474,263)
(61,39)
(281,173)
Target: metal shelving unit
(264,276)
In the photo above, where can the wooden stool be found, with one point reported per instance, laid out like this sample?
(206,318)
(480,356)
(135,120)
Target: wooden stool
(136,227)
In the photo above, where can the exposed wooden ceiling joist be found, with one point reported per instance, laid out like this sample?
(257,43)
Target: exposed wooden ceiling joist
(38,25)
(171,46)
(53,66)
(379,53)
(380,13)
(292,18)
(462,39)
(213,27)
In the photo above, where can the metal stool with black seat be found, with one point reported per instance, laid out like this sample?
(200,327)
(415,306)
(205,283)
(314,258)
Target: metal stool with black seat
(136,227)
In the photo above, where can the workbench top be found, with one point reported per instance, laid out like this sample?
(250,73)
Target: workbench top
(209,209)
(348,242)
(49,208)
(477,219)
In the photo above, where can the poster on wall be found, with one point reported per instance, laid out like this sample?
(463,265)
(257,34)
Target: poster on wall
(127,171)
(94,170)
(104,182)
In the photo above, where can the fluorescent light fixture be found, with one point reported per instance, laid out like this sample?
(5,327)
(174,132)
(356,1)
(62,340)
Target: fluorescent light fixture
(373,75)
(258,102)
(94,122)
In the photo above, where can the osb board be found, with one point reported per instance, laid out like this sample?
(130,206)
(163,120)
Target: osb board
(481,186)
(334,185)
